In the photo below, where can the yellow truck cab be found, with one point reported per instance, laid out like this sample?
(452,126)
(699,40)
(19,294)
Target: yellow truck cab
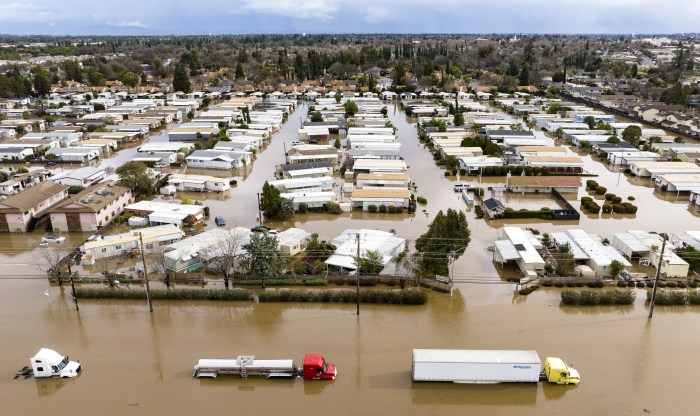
(556,371)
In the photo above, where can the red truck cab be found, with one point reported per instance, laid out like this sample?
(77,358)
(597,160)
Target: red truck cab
(316,367)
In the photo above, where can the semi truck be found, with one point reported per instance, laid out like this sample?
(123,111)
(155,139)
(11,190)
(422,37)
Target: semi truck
(49,363)
(489,366)
(314,367)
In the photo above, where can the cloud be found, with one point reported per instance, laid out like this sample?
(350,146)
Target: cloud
(29,13)
(136,23)
(379,14)
(323,10)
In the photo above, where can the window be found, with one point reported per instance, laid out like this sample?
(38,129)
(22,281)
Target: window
(104,250)
(40,369)
(119,247)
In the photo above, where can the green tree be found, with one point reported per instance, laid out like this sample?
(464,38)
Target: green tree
(632,135)
(565,261)
(181,79)
(134,175)
(350,108)
(447,238)
(337,143)
(613,140)
(73,71)
(316,117)
(459,118)
(616,267)
(129,79)
(371,262)
(239,71)
(590,120)
(384,111)
(262,257)
(321,249)
(42,81)
(286,207)
(524,78)
(270,200)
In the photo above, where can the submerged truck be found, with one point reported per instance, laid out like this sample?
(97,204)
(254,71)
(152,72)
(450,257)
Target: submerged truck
(489,366)
(49,363)
(314,367)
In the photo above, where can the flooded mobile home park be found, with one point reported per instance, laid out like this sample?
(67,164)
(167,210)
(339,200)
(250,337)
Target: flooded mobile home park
(133,359)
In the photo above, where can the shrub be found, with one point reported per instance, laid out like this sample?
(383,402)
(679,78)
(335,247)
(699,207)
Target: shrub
(394,297)
(619,209)
(593,208)
(595,297)
(537,170)
(333,208)
(586,200)
(488,171)
(498,170)
(372,208)
(303,208)
(393,209)
(462,172)
(616,200)
(607,208)
(600,190)
(170,294)
(631,209)
(609,197)
(630,198)
(421,200)
(528,170)
(525,291)
(382,208)
(591,184)
(518,170)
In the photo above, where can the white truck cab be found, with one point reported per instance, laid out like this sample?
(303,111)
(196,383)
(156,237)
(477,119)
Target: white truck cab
(49,363)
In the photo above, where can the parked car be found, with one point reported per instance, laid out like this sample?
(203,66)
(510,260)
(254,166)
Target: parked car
(57,239)
(312,141)
(220,221)
(260,229)
(49,164)
(462,186)
(160,165)
(296,144)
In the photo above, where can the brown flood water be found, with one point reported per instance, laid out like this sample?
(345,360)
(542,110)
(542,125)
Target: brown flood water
(140,363)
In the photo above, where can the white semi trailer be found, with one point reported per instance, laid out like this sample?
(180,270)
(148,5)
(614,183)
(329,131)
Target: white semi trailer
(489,366)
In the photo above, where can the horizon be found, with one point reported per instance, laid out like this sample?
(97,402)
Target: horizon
(346,17)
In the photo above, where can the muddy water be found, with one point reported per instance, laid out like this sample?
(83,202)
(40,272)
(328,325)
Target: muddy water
(138,362)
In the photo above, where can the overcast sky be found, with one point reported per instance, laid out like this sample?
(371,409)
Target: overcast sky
(82,17)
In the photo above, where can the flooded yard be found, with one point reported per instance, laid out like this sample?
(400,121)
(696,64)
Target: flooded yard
(136,362)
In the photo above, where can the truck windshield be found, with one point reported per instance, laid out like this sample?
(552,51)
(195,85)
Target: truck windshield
(63,363)
(325,366)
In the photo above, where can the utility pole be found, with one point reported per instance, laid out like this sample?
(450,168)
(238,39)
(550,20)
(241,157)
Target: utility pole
(656,280)
(259,211)
(358,273)
(145,273)
(72,286)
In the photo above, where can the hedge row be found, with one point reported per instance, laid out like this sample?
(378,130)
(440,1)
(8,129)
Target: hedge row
(597,297)
(675,297)
(284,282)
(514,170)
(169,294)
(394,297)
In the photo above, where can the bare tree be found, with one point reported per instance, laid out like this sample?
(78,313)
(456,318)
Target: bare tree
(408,268)
(228,251)
(158,260)
(106,266)
(51,261)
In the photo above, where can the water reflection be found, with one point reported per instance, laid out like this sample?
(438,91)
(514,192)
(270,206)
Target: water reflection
(511,396)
